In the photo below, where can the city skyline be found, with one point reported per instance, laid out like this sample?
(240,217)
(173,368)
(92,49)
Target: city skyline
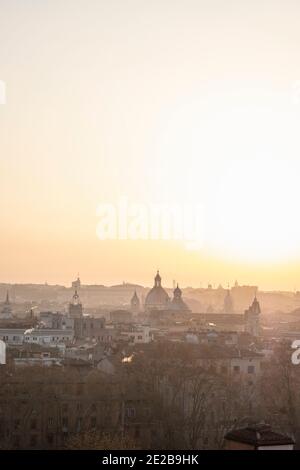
(158,103)
(149,241)
(169,283)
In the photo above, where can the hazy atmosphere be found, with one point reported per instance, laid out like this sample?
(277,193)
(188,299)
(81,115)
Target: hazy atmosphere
(150,231)
(157,102)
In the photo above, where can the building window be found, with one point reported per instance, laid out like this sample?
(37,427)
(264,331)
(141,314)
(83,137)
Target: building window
(93,422)
(236,369)
(50,421)
(251,369)
(130,412)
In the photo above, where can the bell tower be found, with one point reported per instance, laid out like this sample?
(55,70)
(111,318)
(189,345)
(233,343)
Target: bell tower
(252,318)
(75,306)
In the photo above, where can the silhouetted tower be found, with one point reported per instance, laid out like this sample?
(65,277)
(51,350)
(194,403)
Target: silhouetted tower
(6,311)
(76,284)
(252,315)
(75,306)
(135,303)
(157,280)
(228,303)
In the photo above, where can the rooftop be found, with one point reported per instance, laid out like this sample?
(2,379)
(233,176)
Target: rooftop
(259,435)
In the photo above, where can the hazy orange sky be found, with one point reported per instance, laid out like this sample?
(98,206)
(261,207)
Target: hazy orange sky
(161,101)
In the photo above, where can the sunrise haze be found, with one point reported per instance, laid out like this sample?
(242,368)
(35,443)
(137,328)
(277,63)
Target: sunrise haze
(159,102)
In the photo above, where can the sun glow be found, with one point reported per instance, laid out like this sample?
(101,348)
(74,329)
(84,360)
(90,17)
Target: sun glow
(238,155)
(257,216)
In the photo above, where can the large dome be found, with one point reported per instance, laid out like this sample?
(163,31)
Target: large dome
(157,298)
(157,295)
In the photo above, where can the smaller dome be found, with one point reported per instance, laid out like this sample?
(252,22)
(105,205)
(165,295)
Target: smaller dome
(135,300)
(135,297)
(177,304)
(177,292)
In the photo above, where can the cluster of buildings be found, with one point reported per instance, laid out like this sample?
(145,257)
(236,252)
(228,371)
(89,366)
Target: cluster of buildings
(228,344)
(158,318)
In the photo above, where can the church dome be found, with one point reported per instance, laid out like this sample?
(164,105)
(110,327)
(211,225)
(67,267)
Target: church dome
(177,292)
(135,303)
(177,302)
(157,297)
(135,300)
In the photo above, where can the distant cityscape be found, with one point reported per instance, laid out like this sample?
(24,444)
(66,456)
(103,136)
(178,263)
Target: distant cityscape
(177,357)
(149,242)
